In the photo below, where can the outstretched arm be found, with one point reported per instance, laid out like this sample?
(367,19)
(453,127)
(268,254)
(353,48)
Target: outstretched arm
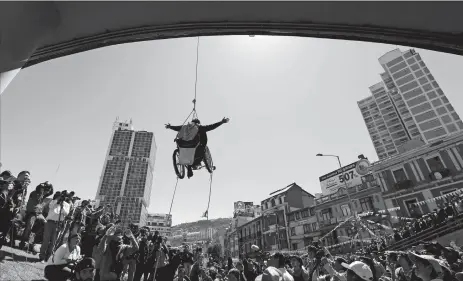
(215,125)
(173,128)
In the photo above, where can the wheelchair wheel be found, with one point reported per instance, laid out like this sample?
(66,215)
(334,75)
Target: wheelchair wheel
(178,168)
(208,161)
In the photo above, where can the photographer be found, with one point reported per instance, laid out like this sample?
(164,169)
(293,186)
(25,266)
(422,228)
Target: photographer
(34,209)
(59,209)
(62,262)
(142,267)
(6,211)
(160,255)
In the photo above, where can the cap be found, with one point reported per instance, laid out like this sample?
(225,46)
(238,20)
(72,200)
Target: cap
(360,269)
(85,264)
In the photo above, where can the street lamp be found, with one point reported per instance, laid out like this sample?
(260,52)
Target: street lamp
(347,190)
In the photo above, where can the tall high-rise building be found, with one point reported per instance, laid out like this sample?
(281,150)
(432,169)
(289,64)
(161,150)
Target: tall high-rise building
(127,176)
(407,105)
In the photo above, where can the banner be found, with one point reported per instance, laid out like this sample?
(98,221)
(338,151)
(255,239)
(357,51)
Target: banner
(350,175)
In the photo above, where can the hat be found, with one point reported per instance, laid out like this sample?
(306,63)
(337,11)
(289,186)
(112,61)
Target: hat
(360,269)
(84,264)
(436,263)
(5,178)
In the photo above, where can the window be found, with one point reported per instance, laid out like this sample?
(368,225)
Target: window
(455,116)
(415,67)
(293,231)
(436,102)
(294,246)
(281,200)
(413,93)
(399,175)
(419,73)
(435,133)
(405,80)
(291,217)
(314,226)
(400,73)
(446,119)
(273,203)
(427,87)
(305,213)
(298,216)
(366,204)
(421,108)
(452,128)
(416,101)
(307,228)
(435,164)
(441,110)
(394,61)
(425,116)
(326,214)
(345,210)
(430,124)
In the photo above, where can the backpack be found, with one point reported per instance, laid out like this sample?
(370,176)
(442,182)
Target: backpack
(188,132)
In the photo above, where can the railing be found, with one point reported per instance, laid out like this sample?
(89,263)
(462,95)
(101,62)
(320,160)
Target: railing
(429,234)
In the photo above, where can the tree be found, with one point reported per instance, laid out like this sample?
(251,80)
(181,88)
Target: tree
(215,250)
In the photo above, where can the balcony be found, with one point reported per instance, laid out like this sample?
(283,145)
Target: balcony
(440,174)
(404,184)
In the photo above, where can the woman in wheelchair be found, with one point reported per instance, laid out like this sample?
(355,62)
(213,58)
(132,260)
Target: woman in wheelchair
(201,137)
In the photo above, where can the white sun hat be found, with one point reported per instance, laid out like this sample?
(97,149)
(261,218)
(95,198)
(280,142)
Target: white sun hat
(361,269)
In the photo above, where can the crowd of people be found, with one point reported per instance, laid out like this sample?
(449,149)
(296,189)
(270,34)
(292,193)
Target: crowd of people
(82,242)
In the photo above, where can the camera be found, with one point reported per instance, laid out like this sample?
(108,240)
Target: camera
(65,196)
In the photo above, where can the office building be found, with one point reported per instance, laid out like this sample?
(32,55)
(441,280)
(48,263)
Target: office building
(161,223)
(407,105)
(127,175)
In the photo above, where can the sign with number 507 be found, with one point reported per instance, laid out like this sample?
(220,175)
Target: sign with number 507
(350,175)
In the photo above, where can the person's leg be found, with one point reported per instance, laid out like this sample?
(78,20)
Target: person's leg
(132,269)
(46,239)
(138,272)
(30,220)
(53,243)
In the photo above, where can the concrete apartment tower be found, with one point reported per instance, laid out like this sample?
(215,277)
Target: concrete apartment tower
(407,105)
(127,175)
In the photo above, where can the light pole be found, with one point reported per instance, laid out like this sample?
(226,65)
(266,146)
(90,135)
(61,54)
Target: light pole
(348,194)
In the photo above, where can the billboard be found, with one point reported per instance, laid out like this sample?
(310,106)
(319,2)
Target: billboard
(350,175)
(243,209)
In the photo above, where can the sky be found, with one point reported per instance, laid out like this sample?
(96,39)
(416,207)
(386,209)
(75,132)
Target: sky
(287,98)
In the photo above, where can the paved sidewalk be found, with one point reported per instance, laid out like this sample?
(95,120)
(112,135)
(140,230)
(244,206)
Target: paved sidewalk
(20,266)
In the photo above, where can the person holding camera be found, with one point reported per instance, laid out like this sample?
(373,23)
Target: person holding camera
(6,211)
(59,209)
(34,209)
(63,261)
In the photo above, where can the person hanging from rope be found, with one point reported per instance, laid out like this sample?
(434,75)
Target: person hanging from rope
(202,133)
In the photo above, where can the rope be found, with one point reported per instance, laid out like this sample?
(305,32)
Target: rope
(173,196)
(196,75)
(209,201)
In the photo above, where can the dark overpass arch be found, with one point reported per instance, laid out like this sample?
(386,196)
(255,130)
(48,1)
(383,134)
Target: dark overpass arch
(34,32)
